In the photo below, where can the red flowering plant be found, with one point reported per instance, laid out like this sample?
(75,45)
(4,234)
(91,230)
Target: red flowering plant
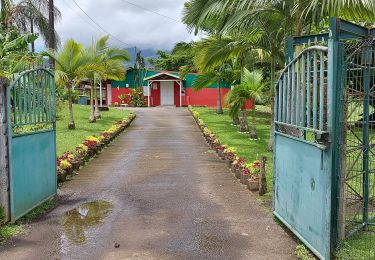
(81,150)
(239,163)
(90,144)
(246,170)
(255,167)
(63,165)
(221,147)
(105,137)
(66,156)
(230,153)
(73,158)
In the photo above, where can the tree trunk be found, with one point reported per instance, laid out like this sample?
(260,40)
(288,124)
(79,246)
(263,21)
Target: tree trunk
(51,31)
(92,104)
(244,126)
(236,120)
(272,95)
(97,111)
(32,31)
(71,124)
(253,130)
(219,109)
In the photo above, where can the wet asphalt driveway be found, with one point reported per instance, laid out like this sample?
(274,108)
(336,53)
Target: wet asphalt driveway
(156,193)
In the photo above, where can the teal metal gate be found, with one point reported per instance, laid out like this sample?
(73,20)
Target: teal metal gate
(323,171)
(32,140)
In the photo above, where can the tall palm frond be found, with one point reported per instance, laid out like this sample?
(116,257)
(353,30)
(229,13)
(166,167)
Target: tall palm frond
(32,16)
(251,87)
(205,80)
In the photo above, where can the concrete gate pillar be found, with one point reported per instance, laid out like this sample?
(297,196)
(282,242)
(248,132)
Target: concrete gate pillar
(4,166)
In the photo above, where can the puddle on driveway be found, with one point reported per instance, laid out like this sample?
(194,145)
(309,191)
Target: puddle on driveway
(78,222)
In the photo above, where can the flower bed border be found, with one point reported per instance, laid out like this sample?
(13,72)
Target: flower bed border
(70,162)
(251,175)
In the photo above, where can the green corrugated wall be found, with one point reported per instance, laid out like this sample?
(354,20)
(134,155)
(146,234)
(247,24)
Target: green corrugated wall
(129,79)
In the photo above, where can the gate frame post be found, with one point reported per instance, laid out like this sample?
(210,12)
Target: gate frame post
(4,152)
(336,93)
(366,141)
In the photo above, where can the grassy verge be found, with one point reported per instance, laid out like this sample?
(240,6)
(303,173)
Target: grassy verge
(228,134)
(67,140)
(10,230)
(360,246)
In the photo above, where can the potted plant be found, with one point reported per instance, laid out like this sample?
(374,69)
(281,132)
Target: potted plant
(237,166)
(220,151)
(64,168)
(82,151)
(230,155)
(91,145)
(245,174)
(253,184)
(215,144)
(73,161)
(211,139)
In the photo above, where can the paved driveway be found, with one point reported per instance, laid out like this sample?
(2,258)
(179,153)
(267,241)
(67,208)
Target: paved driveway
(156,193)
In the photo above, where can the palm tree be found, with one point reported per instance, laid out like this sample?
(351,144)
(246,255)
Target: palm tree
(29,16)
(112,61)
(71,66)
(104,63)
(273,20)
(251,88)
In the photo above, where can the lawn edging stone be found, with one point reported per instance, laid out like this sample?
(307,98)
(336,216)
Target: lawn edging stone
(247,173)
(70,162)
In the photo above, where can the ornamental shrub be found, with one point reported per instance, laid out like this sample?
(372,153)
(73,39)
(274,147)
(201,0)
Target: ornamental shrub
(64,164)
(92,138)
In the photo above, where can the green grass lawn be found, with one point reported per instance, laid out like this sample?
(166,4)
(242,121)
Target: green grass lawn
(360,246)
(228,134)
(67,139)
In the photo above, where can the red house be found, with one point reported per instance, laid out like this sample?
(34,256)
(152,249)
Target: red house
(166,88)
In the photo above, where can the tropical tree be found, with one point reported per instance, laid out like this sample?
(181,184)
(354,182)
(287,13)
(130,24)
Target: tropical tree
(29,16)
(251,88)
(104,63)
(71,67)
(139,69)
(181,55)
(14,55)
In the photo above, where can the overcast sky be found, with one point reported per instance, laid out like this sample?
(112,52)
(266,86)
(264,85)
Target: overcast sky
(129,23)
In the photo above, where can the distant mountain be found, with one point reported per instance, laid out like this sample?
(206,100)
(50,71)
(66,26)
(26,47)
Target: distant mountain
(146,54)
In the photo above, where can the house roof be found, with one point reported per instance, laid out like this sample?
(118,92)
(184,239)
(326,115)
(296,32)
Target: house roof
(161,74)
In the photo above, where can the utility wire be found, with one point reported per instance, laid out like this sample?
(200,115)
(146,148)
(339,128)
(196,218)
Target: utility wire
(75,11)
(149,10)
(99,26)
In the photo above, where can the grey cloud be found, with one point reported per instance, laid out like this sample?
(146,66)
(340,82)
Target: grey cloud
(127,22)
